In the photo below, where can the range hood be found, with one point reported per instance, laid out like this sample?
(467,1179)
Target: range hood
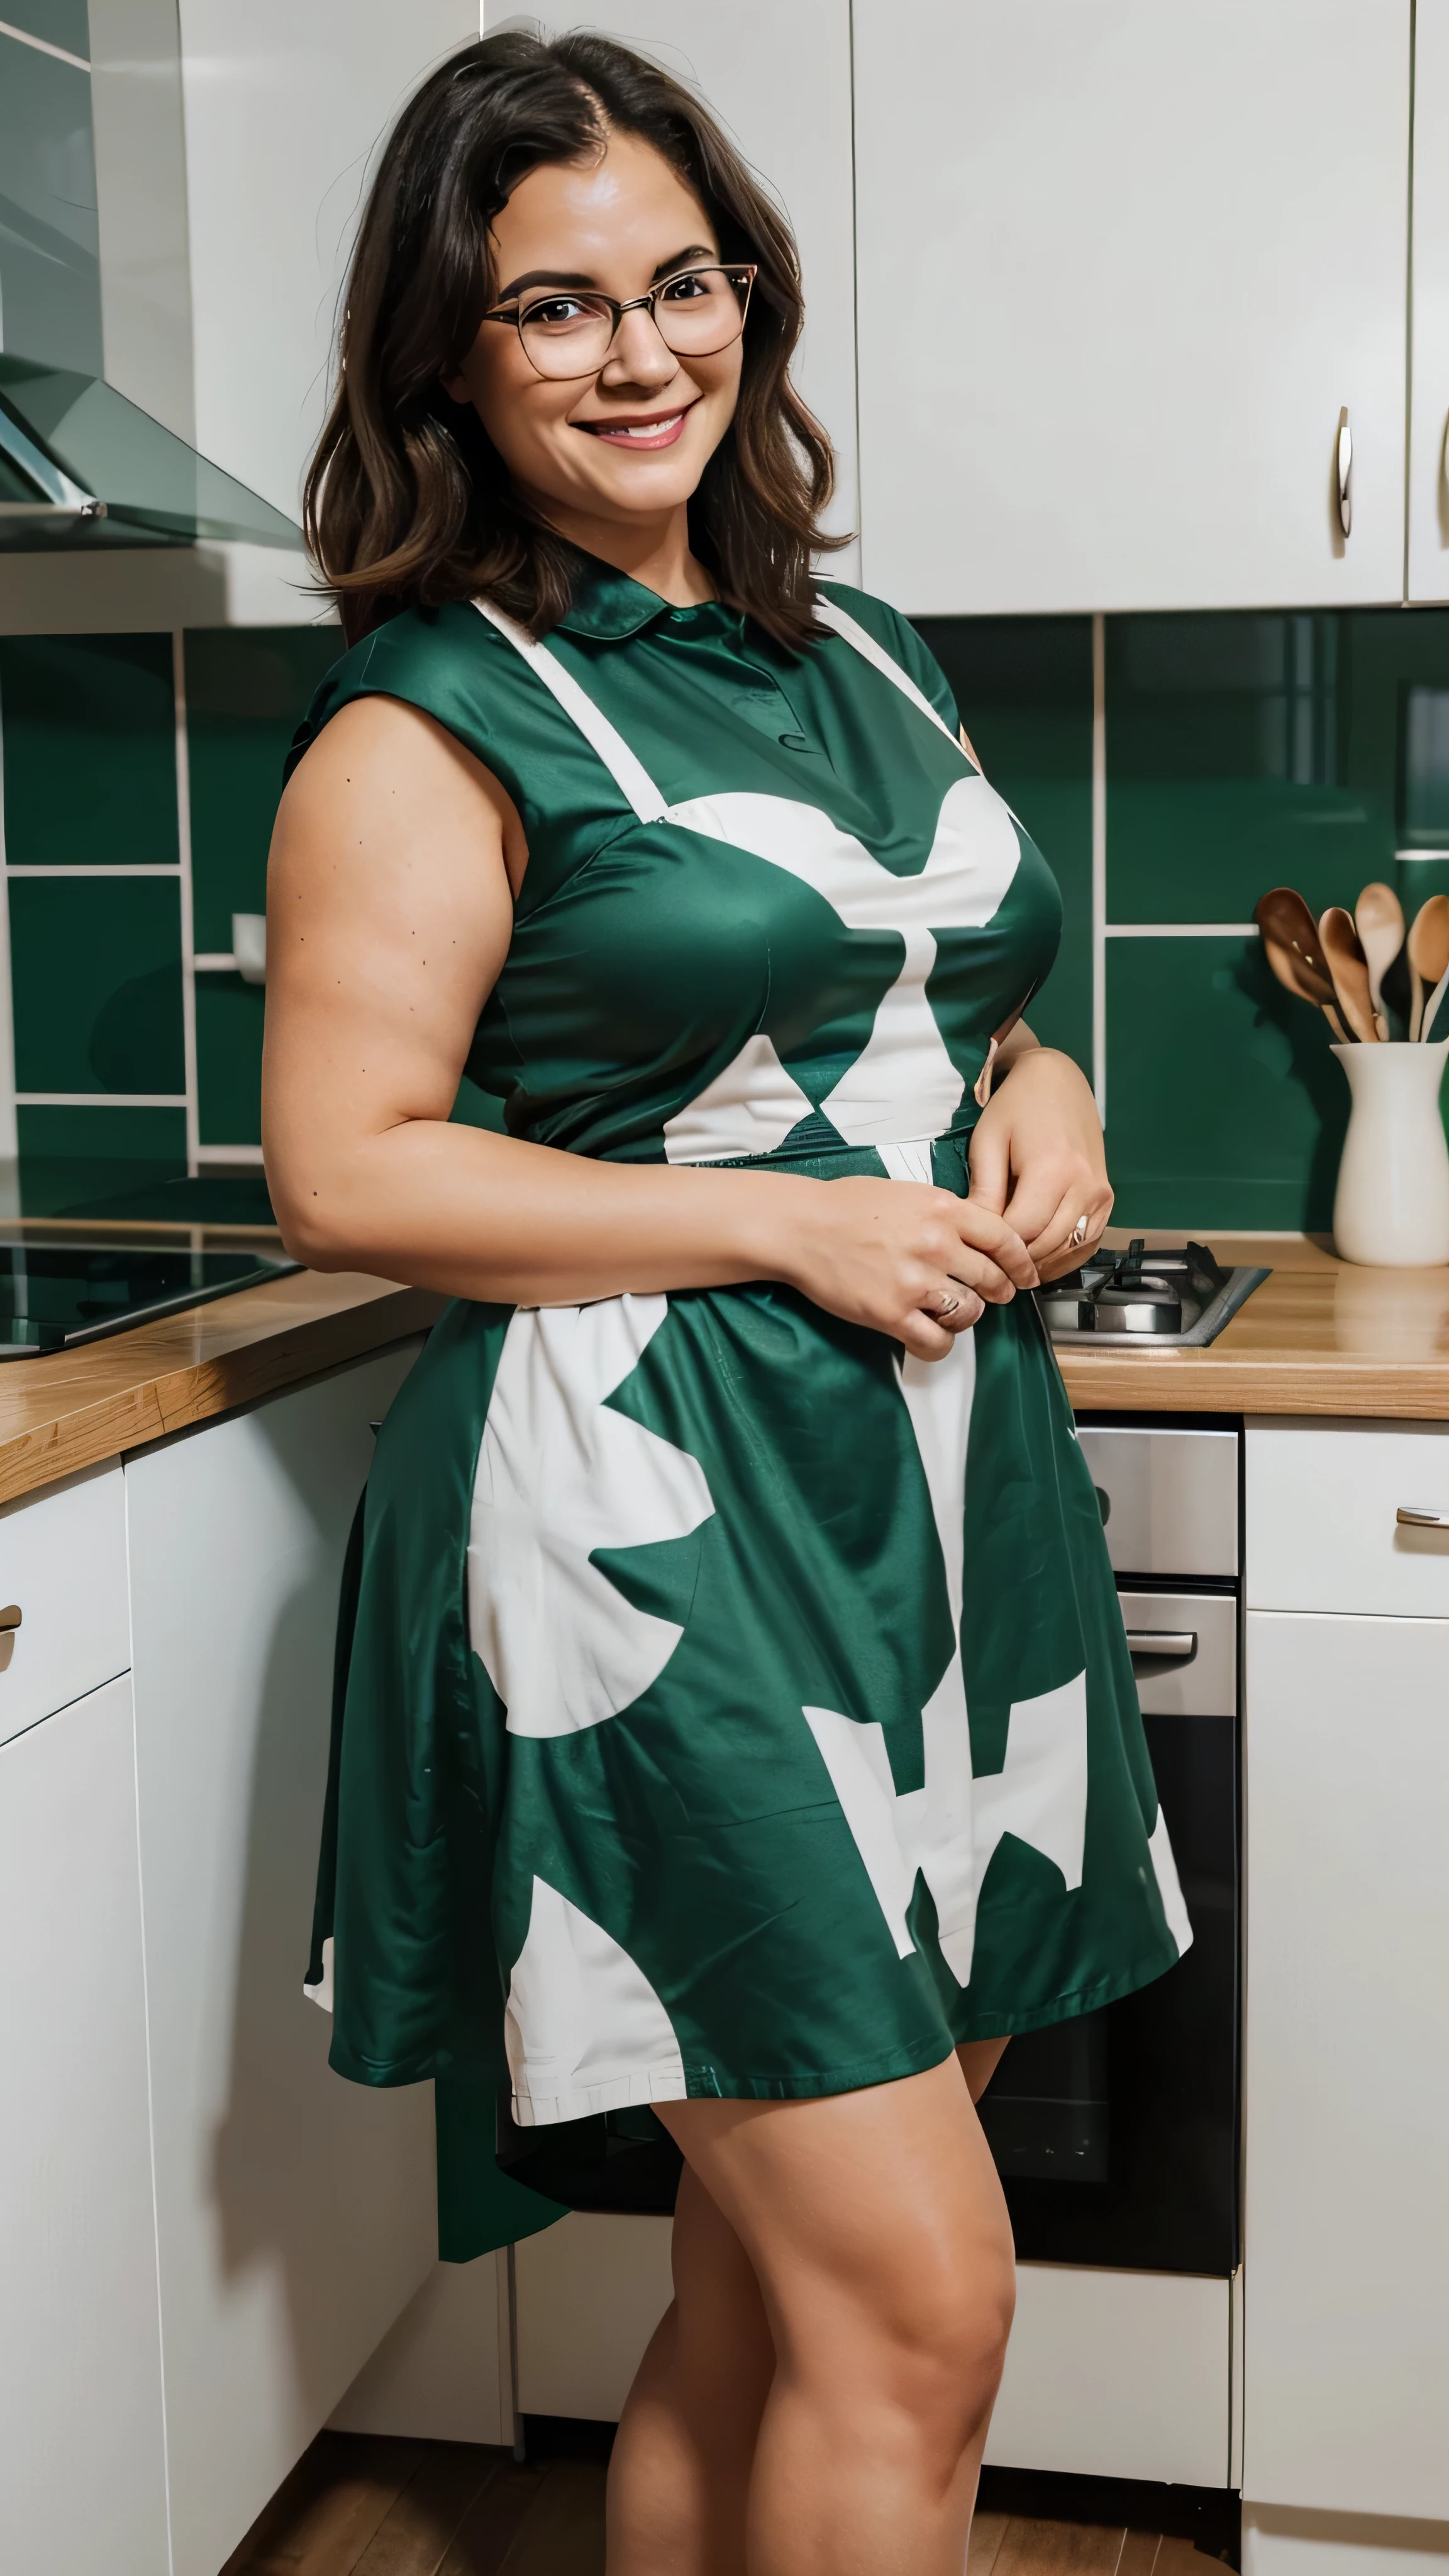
(82,467)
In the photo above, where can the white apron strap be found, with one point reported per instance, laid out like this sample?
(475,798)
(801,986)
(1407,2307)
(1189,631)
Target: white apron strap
(629,775)
(880,660)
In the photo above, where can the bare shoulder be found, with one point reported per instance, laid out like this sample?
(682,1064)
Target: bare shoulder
(383,775)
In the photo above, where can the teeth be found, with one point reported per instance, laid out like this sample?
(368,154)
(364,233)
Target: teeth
(645,428)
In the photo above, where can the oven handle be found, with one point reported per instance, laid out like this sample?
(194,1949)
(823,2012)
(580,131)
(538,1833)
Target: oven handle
(1172,1645)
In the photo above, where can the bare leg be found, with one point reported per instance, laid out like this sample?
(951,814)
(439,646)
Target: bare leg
(876,2229)
(680,2473)
(980,2059)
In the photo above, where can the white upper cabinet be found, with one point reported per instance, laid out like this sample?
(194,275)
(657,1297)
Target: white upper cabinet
(1429,401)
(1122,266)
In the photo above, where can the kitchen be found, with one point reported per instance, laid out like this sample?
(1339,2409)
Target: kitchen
(1196,674)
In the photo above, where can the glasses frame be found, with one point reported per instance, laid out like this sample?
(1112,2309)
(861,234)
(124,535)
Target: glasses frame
(517,312)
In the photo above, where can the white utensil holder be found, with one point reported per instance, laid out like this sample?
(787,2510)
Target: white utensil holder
(1391,1209)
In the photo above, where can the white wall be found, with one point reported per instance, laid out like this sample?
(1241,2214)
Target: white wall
(285,102)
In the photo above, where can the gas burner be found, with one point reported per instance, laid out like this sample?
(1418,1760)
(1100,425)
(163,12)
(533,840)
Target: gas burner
(1176,1295)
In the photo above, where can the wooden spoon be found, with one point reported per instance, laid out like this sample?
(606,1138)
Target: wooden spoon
(1379,920)
(1297,978)
(1349,968)
(1435,1023)
(1283,915)
(1428,955)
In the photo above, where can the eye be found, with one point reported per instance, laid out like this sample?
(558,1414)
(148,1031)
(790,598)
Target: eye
(688,289)
(559,313)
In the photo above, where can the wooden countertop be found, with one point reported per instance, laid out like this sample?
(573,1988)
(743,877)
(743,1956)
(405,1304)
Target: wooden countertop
(1321,1336)
(79,1407)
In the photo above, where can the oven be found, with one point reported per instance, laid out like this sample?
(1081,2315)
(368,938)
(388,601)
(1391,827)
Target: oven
(1116,2135)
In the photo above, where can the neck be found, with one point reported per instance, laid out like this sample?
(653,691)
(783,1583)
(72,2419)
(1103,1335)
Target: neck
(653,551)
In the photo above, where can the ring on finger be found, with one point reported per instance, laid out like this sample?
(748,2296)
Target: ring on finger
(948,1306)
(1078,1233)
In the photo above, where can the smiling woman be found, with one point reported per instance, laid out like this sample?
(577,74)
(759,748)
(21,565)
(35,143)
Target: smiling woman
(491,190)
(737,1728)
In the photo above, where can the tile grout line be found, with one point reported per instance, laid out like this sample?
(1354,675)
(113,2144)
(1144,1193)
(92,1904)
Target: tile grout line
(1099,863)
(188,924)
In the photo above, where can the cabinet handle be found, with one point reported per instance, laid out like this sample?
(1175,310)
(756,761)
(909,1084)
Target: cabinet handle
(1177,1645)
(10,1617)
(1343,473)
(1410,1516)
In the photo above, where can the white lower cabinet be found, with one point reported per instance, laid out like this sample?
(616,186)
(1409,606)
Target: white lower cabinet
(1115,2374)
(82,2477)
(1346,2403)
(295,2213)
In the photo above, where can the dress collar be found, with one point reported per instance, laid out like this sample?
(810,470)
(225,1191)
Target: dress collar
(608,606)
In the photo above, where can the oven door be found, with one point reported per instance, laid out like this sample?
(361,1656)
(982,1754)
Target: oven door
(1116,2135)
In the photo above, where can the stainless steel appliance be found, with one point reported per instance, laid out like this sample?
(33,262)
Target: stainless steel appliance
(58,1289)
(1117,2135)
(1177,1296)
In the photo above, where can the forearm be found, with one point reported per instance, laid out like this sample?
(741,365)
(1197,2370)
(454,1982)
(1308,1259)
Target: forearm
(493,1219)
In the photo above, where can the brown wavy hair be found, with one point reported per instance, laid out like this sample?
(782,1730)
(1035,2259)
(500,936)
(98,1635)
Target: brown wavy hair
(407,501)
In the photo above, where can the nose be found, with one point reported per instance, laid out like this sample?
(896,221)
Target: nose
(639,355)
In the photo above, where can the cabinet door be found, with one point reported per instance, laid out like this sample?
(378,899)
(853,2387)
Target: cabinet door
(295,2212)
(83,2484)
(1429,404)
(1120,268)
(1347,2067)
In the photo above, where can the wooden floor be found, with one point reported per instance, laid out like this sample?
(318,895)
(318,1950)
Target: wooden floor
(361,2507)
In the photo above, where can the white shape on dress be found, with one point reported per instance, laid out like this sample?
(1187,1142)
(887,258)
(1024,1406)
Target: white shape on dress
(1169,1888)
(903,1083)
(584,2029)
(860,1774)
(559,1474)
(1040,1793)
(749,1108)
(949,1828)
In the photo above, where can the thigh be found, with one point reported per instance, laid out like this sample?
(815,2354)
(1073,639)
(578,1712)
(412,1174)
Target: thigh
(871,2219)
(979,2060)
(720,2325)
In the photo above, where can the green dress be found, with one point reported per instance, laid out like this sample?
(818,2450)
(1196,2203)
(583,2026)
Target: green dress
(730,1704)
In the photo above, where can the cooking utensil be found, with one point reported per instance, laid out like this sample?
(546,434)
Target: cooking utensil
(1297,977)
(1349,968)
(1283,915)
(1378,918)
(1428,955)
(1435,1022)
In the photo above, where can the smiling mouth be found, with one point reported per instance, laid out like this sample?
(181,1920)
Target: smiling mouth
(659,431)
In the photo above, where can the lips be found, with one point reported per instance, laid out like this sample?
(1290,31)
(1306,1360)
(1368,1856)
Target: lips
(642,435)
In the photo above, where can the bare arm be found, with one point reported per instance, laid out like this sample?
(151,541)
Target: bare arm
(389,915)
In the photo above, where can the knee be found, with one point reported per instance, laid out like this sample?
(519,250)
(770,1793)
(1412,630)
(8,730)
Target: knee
(936,2356)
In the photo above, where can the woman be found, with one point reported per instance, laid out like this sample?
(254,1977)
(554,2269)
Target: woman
(732,1520)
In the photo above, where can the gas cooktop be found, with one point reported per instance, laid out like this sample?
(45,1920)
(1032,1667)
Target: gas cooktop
(1174,1297)
(56,1293)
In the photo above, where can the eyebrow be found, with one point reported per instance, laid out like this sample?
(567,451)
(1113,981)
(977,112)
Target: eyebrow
(590,285)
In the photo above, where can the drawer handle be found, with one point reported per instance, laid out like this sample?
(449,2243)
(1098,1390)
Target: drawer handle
(10,1617)
(1176,1645)
(1415,1516)
(1343,473)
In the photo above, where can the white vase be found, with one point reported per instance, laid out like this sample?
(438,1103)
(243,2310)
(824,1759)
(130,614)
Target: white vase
(1391,1208)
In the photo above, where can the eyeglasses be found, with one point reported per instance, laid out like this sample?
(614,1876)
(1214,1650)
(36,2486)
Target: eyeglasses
(696,312)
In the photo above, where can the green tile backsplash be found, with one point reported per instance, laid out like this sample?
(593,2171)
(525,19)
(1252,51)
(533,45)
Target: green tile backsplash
(96,968)
(90,751)
(1240,752)
(246,692)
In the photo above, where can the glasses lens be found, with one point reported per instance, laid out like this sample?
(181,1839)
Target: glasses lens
(567,335)
(702,310)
